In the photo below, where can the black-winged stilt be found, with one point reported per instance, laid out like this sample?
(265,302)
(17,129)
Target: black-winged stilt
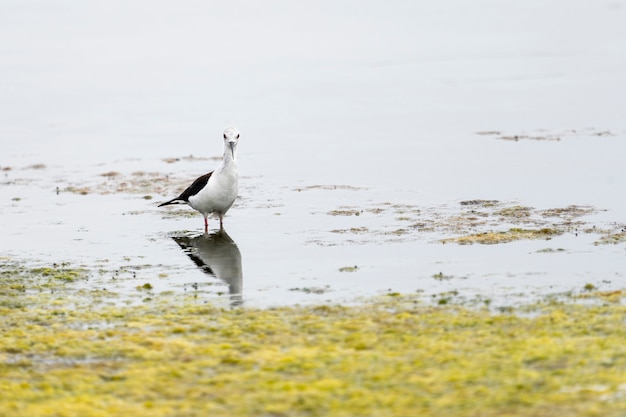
(216,191)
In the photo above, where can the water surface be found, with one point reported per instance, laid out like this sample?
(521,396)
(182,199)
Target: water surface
(401,111)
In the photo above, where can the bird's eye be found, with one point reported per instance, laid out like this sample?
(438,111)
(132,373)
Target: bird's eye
(237,135)
(224,135)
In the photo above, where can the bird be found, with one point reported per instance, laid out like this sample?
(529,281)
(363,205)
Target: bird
(216,191)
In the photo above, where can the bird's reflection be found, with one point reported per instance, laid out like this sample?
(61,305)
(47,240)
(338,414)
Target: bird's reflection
(218,255)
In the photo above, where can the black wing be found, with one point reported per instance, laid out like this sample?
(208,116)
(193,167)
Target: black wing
(192,190)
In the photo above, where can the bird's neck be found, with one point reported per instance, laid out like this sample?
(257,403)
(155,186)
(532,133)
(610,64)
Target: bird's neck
(229,161)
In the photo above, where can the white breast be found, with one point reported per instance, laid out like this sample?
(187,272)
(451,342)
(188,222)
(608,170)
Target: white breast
(220,192)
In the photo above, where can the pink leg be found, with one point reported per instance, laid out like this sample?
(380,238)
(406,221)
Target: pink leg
(206,225)
(221,221)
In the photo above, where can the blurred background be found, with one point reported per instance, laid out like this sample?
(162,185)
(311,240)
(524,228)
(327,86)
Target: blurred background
(367,79)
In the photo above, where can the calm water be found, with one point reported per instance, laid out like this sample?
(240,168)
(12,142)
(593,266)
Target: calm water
(384,101)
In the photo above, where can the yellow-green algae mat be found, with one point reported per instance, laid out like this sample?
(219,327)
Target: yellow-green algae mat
(391,356)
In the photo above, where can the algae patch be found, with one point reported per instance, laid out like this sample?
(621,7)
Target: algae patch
(473,221)
(349,268)
(504,236)
(20,285)
(392,356)
(61,273)
(613,237)
(548,135)
(19,276)
(332,187)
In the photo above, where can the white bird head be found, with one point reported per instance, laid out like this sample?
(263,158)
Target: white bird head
(231,139)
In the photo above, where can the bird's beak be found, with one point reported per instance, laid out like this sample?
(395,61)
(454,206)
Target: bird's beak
(232,148)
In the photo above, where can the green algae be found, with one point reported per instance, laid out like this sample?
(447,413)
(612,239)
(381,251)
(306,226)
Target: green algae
(392,356)
(480,203)
(515,211)
(345,212)
(513,234)
(15,280)
(349,268)
(571,211)
(442,277)
(61,273)
(612,238)
(474,221)
(548,135)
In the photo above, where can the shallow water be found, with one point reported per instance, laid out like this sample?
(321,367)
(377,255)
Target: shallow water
(398,113)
